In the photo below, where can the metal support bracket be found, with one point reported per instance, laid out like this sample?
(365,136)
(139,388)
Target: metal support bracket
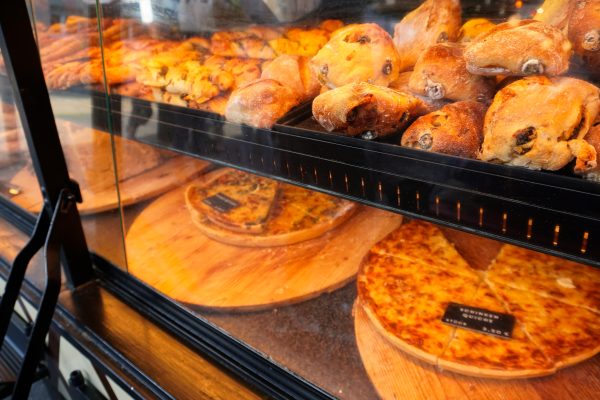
(50,233)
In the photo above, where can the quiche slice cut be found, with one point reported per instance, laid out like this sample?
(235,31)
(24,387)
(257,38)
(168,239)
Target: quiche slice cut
(235,200)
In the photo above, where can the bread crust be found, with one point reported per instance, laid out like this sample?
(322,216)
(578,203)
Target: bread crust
(525,47)
(456,129)
(357,53)
(528,125)
(293,72)
(584,31)
(361,107)
(260,103)
(434,21)
(474,28)
(593,138)
(441,72)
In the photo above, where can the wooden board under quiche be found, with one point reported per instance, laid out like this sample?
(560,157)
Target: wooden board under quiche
(170,253)
(405,284)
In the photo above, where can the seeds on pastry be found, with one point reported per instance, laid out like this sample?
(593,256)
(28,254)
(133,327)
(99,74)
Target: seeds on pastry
(533,67)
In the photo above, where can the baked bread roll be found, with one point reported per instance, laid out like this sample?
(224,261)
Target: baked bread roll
(360,108)
(456,129)
(474,28)
(294,72)
(554,12)
(441,72)
(357,53)
(521,48)
(584,31)
(540,123)
(435,21)
(260,103)
(593,138)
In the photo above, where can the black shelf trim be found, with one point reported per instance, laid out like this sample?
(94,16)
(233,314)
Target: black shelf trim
(250,366)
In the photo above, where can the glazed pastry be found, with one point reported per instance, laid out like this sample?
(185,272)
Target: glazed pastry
(593,138)
(455,129)
(362,108)
(357,53)
(540,123)
(294,72)
(435,21)
(521,48)
(474,28)
(260,103)
(401,84)
(584,31)
(554,12)
(441,72)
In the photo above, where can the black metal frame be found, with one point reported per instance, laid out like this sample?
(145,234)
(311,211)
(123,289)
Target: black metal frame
(58,229)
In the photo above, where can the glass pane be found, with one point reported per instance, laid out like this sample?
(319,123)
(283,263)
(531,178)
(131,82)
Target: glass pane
(265,152)
(68,40)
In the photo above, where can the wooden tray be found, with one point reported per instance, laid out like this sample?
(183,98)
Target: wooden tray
(168,252)
(397,375)
(172,173)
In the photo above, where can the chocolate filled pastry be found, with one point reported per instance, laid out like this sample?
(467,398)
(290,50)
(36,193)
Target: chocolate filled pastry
(593,138)
(435,21)
(455,129)
(260,103)
(294,72)
(584,31)
(357,53)
(540,123)
(473,28)
(520,48)
(441,72)
(365,109)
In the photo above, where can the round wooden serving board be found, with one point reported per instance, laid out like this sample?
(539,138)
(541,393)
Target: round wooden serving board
(397,375)
(167,251)
(150,183)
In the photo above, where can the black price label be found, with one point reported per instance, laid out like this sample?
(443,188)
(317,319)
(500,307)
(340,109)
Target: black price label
(221,202)
(480,320)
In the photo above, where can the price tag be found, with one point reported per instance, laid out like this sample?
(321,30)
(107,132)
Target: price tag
(480,320)
(221,202)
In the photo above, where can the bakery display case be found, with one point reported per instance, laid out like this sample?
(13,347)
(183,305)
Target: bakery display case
(331,199)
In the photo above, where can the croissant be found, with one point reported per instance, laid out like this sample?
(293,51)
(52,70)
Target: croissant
(359,108)
(529,125)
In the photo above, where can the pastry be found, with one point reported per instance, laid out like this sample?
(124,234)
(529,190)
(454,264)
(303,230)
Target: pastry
(521,48)
(441,72)
(435,21)
(295,214)
(474,28)
(357,53)
(584,31)
(593,138)
(528,124)
(554,12)
(456,129)
(362,108)
(260,103)
(294,72)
